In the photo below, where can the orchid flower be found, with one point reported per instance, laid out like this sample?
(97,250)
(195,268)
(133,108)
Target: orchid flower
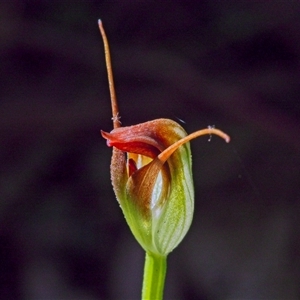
(151,173)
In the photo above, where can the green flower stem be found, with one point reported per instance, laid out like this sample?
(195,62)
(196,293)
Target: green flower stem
(154,277)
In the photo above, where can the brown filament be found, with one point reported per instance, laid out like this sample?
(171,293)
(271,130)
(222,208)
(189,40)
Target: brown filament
(113,98)
(163,156)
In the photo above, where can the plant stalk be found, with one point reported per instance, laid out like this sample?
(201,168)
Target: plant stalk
(154,277)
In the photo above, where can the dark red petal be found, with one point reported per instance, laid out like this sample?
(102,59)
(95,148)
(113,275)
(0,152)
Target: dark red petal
(137,146)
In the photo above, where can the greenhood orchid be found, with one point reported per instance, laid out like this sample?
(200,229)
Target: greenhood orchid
(151,173)
(154,184)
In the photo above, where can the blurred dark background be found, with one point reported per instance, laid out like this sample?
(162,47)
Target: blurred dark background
(232,64)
